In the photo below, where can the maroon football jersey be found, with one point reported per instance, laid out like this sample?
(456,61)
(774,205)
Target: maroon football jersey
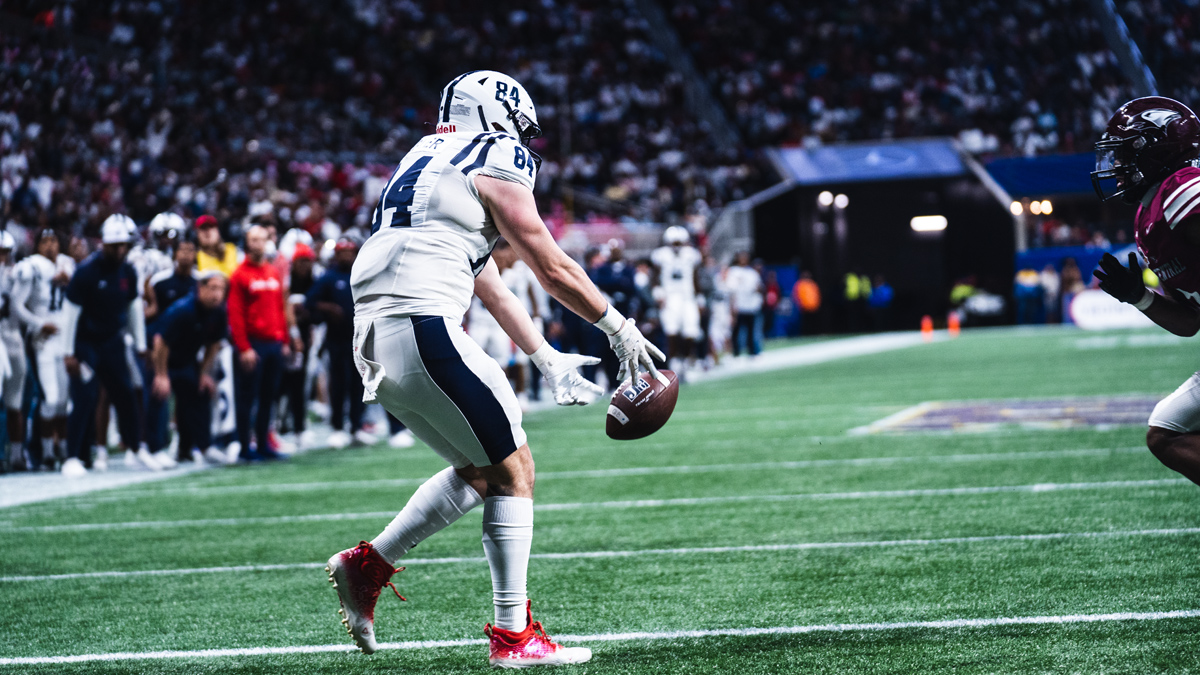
(1176,263)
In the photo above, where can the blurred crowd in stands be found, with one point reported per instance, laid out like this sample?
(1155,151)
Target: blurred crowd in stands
(134,106)
(1005,77)
(1167,33)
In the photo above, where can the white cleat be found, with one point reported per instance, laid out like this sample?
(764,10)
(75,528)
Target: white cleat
(305,440)
(147,460)
(232,452)
(164,459)
(402,439)
(100,458)
(364,437)
(73,468)
(338,440)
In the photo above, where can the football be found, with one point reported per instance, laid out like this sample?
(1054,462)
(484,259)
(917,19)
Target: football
(641,408)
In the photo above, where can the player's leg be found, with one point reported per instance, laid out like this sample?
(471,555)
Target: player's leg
(85,395)
(113,371)
(270,356)
(1174,424)
(52,377)
(14,394)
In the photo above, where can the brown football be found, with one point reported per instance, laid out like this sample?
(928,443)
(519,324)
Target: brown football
(642,408)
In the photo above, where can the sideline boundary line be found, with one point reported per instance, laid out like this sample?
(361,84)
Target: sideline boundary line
(626,637)
(635,553)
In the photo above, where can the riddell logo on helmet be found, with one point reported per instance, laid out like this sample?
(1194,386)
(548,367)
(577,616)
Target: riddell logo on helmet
(446,128)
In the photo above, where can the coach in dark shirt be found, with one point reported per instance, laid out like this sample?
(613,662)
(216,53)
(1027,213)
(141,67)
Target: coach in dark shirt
(167,288)
(102,302)
(330,300)
(196,322)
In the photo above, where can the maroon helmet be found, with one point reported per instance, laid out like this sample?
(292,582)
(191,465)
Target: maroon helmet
(1146,140)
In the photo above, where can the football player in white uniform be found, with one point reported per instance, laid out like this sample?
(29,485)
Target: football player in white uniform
(433,230)
(39,288)
(676,266)
(13,365)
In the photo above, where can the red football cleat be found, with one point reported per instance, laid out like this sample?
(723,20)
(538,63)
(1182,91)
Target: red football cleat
(359,574)
(530,647)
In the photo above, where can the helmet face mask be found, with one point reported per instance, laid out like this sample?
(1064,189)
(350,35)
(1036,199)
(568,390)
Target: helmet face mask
(1146,140)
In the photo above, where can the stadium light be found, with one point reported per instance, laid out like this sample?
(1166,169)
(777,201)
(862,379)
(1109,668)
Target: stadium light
(841,201)
(825,198)
(1015,208)
(1035,208)
(1047,207)
(928,223)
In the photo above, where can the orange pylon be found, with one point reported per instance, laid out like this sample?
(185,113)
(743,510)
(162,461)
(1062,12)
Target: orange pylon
(927,328)
(953,325)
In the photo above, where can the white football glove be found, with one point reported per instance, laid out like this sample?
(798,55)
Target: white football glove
(631,347)
(562,374)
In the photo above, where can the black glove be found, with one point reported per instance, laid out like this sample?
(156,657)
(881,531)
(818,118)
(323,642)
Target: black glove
(1123,283)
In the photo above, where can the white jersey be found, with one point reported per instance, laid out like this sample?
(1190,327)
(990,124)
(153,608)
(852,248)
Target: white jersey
(8,320)
(430,235)
(521,281)
(36,299)
(148,262)
(676,269)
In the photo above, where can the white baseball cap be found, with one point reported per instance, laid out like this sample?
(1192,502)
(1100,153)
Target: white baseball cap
(117,229)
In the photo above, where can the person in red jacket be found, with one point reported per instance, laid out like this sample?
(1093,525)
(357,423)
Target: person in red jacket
(260,325)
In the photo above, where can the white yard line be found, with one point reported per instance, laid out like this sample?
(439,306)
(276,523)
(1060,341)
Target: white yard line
(623,504)
(646,471)
(636,553)
(625,637)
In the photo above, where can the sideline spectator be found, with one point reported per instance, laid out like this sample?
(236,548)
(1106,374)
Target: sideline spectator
(745,287)
(881,299)
(771,297)
(300,279)
(13,365)
(102,302)
(1072,283)
(808,298)
(260,322)
(214,253)
(1029,296)
(198,321)
(331,301)
(167,288)
(1051,285)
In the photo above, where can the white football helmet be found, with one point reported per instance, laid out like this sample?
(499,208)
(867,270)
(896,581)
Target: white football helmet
(166,221)
(676,234)
(118,229)
(485,100)
(7,241)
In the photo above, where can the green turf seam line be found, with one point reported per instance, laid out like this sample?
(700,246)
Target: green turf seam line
(577,555)
(624,637)
(623,504)
(645,471)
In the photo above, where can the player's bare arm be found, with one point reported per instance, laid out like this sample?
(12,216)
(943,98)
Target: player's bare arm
(515,213)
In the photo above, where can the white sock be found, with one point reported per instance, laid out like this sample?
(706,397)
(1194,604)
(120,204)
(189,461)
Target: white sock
(61,448)
(507,536)
(439,501)
(47,449)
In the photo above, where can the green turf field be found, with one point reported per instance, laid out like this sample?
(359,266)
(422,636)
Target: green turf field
(747,511)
